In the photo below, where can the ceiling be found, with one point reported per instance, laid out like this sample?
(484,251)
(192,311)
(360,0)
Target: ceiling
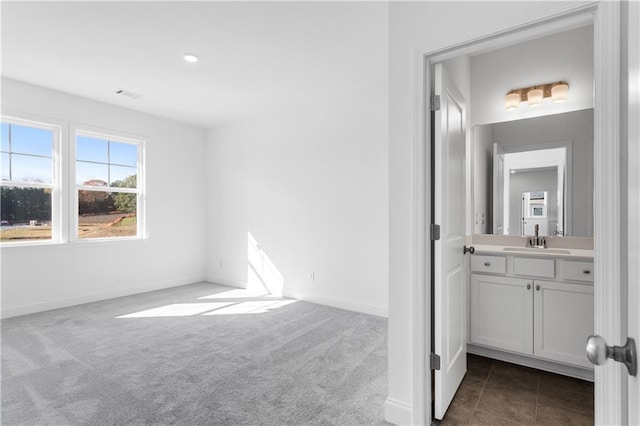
(254,56)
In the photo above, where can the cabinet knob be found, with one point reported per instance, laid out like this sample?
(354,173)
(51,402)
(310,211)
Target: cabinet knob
(586,271)
(528,286)
(487,264)
(538,287)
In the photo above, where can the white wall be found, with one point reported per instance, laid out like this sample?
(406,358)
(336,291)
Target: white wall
(49,276)
(459,69)
(310,183)
(415,27)
(566,56)
(482,179)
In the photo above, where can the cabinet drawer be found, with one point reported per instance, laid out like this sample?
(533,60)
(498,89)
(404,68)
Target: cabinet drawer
(530,267)
(577,271)
(492,264)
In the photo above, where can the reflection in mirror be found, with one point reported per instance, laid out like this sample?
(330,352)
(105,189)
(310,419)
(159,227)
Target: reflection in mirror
(534,171)
(539,173)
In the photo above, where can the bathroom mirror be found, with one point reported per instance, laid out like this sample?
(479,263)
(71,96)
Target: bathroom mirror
(534,171)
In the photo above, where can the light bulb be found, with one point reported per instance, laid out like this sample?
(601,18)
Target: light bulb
(512,100)
(559,92)
(534,96)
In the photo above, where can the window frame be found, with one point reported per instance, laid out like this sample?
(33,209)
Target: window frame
(109,135)
(58,224)
(64,205)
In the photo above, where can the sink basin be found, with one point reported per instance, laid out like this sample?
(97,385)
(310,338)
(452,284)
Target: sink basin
(536,250)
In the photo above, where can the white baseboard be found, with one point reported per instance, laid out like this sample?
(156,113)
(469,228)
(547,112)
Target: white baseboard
(337,303)
(47,305)
(397,412)
(540,364)
(299,295)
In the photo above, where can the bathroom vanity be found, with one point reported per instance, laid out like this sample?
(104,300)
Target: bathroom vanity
(532,306)
(530,281)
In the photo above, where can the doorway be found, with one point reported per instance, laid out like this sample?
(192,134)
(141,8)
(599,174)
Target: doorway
(606,158)
(506,312)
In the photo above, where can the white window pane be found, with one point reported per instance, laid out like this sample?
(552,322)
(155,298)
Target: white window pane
(29,140)
(5,137)
(5,166)
(92,174)
(125,154)
(104,214)
(31,169)
(123,177)
(92,149)
(25,214)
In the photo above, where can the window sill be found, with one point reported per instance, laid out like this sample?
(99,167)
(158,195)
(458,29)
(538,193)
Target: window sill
(47,243)
(55,245)
(97,242)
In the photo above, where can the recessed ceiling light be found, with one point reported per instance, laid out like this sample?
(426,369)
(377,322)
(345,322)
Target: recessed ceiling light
(190,57)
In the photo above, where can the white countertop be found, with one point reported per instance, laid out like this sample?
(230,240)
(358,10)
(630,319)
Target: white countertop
(532,252)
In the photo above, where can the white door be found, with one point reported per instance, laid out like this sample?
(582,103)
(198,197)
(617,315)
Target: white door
(449,212)
(498,190)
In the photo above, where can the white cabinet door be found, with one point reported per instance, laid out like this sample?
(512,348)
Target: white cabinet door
(563,320)
(502,312)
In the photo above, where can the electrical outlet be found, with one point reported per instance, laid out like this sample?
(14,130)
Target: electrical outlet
(312,276)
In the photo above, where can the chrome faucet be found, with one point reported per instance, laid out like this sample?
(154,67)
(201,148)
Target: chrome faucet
(536,240)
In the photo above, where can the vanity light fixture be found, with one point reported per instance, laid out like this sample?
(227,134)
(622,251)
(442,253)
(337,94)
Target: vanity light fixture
(534,95)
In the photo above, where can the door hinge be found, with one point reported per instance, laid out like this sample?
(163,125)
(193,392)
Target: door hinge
(434,361)
(435,232)
(435,102)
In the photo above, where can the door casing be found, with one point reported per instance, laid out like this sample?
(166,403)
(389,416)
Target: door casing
(632,12)
(610,394)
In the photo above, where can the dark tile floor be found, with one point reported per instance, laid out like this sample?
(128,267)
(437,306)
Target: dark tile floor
(499,393)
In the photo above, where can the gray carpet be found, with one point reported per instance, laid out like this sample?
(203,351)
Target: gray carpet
(194,355)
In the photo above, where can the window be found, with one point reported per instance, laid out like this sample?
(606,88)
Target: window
(29,181)
(58,188)
(107,182)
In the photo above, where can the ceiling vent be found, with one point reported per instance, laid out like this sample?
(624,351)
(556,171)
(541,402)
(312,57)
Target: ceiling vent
(128,93)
